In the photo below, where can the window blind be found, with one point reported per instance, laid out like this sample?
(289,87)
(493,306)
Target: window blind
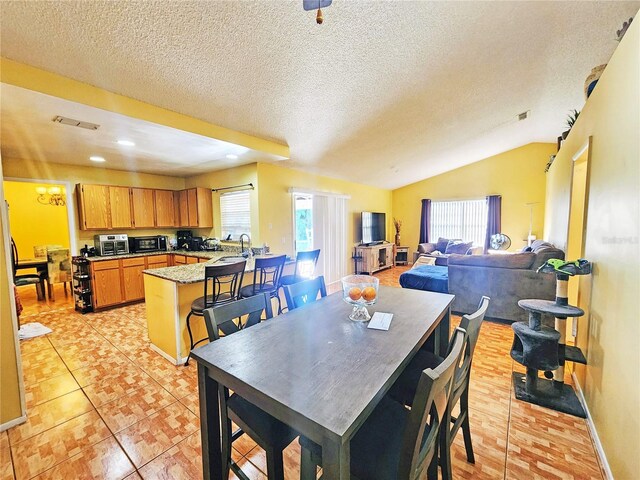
(235,214)
(463,219)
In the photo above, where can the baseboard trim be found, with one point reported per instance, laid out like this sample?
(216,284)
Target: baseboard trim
(13,423)
(602,458)
(165,355)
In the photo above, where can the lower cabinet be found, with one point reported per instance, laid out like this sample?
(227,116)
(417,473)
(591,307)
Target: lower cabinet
(122,281)
(133,278)
(107,284)
(158,261)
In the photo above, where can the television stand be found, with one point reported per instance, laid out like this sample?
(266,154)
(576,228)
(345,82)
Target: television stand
(375,257)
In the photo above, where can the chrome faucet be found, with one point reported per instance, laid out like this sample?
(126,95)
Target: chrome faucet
(242,244)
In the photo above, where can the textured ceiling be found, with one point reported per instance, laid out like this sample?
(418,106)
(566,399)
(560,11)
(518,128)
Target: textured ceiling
(384,92)
(27,131)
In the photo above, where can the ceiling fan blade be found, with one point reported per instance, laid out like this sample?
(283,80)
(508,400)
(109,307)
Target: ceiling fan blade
(315,4)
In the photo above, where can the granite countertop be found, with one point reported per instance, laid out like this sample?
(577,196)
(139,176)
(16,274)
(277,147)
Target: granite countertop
(194,273)
(228,251)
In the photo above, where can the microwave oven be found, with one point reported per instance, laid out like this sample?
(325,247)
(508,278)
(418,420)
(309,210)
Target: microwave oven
(156,243)
(106,245)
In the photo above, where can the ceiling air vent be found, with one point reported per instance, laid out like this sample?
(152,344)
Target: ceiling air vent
(76,123)
(524,115)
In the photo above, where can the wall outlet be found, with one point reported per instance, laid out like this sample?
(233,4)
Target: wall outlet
(284,240)
(270,226)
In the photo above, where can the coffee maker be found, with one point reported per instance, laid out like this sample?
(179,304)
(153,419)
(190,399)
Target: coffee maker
(184,239)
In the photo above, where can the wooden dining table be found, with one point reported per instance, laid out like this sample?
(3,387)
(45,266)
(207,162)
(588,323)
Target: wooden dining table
(317,371)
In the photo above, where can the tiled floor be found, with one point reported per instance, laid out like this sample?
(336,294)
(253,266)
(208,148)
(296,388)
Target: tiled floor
(101,404)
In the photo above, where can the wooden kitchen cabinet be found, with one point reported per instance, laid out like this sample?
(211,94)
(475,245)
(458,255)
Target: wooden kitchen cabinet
(120,207)
(192,260)
(179,259)
(157,261)
(164,208)
(205,207)
(109,207)
(107,284)
(143,202)
(93,206)
(183,205)
(176,209)
(133,278)
(196,208)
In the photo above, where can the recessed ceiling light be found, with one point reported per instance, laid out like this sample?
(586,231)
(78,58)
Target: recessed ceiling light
(95,158)
(231,156)
(126,143)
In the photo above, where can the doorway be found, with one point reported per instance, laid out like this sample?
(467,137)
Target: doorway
(38,221)
(579,286)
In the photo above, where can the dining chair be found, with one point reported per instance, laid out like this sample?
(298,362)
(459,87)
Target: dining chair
(221,285)
(58,269)
(394,442)
(270,434)
(26,279)
(266,278)
(404,389)
(305,267)
(307,291)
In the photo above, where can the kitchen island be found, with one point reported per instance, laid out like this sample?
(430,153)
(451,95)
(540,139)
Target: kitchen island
(169,292)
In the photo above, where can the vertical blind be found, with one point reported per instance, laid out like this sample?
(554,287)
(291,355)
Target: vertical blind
(330,235)
(463,219)
(235,214)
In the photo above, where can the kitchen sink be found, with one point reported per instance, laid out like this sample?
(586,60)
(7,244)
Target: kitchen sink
(231,259)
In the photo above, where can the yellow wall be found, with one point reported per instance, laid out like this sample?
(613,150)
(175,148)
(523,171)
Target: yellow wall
(15,168)
(228,178)
(612,381)
(33,223)
(271,202)
(276,208)
(10,407)
(518,175)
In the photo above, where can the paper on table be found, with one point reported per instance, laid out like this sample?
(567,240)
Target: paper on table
(380,321)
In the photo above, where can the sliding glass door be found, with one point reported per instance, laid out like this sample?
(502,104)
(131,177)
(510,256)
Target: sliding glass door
(303,222)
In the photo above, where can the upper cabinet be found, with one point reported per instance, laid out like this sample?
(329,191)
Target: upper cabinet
(121,211)
(108,207)
(195,208)
(143,201)
(93,206)
(165,209)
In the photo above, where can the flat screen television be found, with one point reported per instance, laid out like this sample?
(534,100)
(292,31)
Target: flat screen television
(374,227)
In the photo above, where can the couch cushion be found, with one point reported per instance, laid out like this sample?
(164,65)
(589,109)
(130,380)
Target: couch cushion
(510,260)
(441,244)
(458,248)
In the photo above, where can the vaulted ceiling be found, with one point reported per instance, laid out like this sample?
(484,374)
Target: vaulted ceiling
(384,92)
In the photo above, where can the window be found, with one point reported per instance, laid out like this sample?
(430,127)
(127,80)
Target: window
(235,214)
(463,219)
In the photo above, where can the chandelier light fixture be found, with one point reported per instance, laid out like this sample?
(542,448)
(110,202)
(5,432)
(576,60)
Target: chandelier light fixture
(51,196)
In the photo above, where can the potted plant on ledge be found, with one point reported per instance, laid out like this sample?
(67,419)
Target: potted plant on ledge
(571,120)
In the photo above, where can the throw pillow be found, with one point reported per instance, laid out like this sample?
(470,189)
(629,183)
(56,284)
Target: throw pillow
(441,245)
(458,248)
(423,260)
